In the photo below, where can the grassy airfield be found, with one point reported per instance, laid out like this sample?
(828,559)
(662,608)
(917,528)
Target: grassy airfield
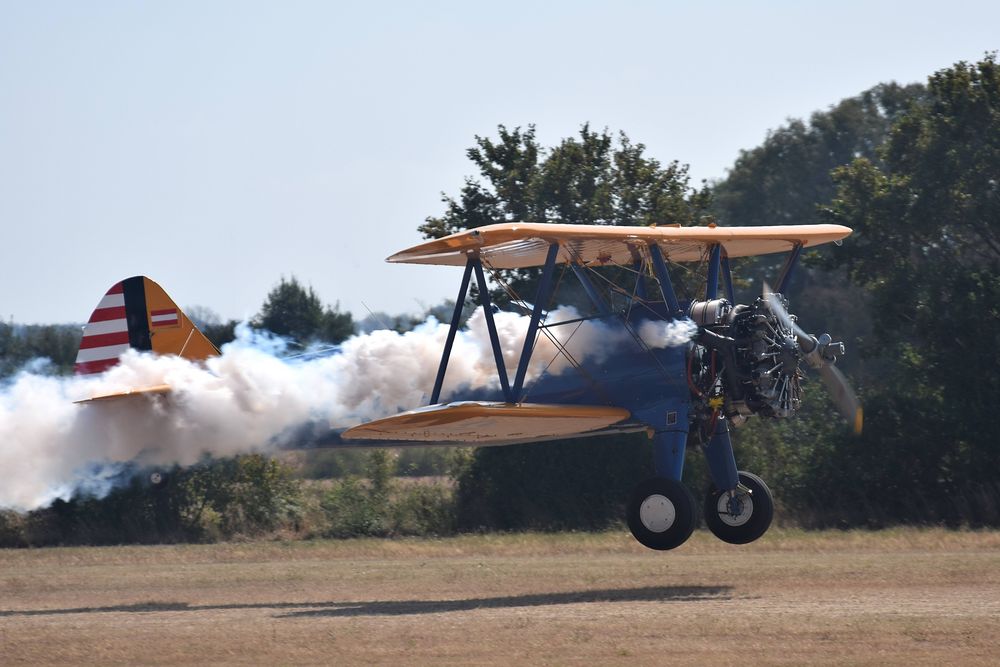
(893,597)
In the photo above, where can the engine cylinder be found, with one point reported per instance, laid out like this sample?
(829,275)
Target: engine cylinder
(709,313)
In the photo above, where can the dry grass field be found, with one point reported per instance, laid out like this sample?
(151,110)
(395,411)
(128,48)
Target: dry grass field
(894,597)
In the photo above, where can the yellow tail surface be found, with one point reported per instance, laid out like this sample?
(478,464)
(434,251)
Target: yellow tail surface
(137,314)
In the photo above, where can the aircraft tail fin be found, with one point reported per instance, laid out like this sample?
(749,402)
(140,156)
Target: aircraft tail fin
(137,314)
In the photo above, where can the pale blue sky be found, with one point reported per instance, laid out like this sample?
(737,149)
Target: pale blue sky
(216,146)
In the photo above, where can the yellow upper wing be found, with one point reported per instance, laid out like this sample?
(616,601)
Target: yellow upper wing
(523,244)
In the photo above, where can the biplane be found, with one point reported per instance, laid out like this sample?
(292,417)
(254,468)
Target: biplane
(683,371)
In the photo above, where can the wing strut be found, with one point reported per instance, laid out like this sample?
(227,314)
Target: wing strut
(541,298)
(484,300)
(727,279)
(666,287)
(456,318)
(640,280)
(788,269)
(588,287)
(712,282)
(475,264)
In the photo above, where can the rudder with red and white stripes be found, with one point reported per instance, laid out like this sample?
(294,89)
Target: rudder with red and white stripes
(137,314)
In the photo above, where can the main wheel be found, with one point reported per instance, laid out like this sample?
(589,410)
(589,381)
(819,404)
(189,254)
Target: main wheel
(661,513)
(742,517)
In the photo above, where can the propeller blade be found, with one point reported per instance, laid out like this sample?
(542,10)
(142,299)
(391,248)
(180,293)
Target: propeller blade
(806,342)
(843,396)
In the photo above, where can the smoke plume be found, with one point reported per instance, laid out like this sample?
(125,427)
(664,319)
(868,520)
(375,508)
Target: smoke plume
(249,398)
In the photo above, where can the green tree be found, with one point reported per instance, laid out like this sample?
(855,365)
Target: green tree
(20,344)
(785,179)
(594,178)
(589,179)
(927,250)
(297,312)
(11,350)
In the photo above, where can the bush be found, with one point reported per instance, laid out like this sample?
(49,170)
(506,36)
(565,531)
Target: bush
(424,509)
(578,484)
(11,529)
(381,506)
(245,495)
(352,510)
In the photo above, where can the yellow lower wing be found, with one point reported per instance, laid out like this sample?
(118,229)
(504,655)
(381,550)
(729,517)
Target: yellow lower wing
(485,423)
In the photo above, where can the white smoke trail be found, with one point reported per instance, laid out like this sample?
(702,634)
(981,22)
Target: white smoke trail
(659,333)
(245,399)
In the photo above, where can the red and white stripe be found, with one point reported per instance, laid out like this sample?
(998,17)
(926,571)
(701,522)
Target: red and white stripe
(105,336)
(164,318)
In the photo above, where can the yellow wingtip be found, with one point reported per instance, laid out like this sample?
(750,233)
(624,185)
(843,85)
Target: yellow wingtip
(859,420)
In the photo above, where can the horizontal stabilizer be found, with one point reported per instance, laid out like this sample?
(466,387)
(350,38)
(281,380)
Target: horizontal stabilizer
(488,423)
(155,390)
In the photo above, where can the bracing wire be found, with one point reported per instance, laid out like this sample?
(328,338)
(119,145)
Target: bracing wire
(559,345)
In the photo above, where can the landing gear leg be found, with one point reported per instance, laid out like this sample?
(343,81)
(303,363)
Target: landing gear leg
(719,454)
(740,507)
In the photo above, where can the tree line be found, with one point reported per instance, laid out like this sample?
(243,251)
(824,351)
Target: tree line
(912,169)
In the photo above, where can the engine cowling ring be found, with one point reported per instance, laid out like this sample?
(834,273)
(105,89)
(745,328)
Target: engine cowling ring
(762,351)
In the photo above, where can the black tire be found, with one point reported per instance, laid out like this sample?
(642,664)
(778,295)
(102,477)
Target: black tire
(661,513)
(752,516)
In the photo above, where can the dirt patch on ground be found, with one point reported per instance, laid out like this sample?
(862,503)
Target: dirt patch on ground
(914,597)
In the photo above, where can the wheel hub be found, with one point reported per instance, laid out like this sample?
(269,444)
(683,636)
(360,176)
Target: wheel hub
(657,513)
(735,509)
